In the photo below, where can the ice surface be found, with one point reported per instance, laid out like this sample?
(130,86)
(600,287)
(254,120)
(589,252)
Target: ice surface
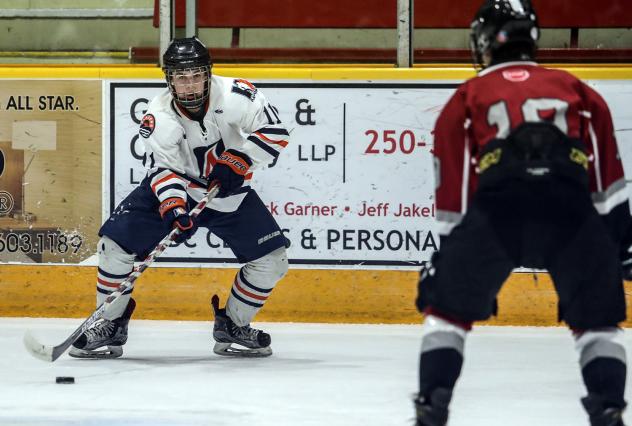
(320,374)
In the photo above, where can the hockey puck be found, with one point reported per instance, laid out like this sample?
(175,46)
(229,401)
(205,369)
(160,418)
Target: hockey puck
(65,380)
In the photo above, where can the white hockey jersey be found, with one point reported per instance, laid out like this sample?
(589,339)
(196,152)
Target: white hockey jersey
(180,152)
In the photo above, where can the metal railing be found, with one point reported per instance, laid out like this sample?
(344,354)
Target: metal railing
(76,13)
(404,28)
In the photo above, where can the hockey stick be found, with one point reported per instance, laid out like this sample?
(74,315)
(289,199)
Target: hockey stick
(51,353)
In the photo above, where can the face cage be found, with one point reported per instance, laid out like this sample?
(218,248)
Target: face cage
(189,98)
(476,49)
(481,42)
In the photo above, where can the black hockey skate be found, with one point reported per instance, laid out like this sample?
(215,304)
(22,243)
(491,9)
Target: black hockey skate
(105,339)
(433,410)
(252,342)
(599,414)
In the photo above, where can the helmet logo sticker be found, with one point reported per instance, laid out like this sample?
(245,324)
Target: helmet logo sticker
(501,37)
(516,76)
(147,125)
(516,5)
(244,88)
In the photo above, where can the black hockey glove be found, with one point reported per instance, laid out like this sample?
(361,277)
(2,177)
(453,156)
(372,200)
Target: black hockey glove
(626,264)
(229,172)
(175,215)
(626,254)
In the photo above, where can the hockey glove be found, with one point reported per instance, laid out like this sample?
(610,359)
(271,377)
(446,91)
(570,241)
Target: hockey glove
(229,172)
(625,254)
(626,264)
(175,215)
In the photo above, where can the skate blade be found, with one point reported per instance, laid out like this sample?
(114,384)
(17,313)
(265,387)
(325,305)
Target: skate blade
(226,349)
(109,353)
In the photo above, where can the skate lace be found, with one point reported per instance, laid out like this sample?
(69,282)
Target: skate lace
(100,331)
(245,332)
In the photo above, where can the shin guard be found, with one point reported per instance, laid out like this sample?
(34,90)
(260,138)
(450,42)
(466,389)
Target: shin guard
(253,284)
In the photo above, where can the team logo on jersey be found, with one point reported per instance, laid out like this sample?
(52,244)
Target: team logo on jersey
(244,88)
(205,157)
(147,125)
(516,76)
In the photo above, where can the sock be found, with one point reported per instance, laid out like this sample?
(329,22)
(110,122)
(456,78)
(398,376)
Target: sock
(441,356)
(603,364)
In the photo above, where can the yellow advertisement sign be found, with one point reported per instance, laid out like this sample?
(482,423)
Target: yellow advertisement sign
(50,170)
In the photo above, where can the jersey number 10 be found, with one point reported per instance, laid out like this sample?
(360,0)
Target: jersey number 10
(533,110)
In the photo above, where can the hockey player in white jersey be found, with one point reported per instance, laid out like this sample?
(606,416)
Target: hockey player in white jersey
(203,130)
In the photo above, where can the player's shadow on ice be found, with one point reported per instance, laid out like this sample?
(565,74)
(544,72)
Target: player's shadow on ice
(213,359)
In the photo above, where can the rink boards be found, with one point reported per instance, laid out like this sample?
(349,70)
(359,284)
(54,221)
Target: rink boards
(343,277)
(329,296)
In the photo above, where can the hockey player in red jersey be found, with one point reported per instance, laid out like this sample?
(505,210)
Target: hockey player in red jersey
(528,174)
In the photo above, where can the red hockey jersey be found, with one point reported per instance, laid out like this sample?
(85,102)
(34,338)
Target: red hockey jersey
(498,100)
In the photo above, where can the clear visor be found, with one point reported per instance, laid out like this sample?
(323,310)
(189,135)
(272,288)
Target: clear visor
(189,86)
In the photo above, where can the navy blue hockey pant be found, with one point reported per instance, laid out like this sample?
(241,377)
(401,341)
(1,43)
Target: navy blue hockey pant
(251,232)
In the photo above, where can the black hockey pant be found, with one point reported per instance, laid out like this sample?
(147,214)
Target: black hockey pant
(549,225)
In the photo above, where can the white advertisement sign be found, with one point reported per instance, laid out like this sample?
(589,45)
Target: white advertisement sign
(354,188)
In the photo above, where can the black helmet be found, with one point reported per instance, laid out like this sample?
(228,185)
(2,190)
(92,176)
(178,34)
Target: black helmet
(501,25)
(187,63)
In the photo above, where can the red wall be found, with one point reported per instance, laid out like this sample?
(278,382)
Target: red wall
(382,13)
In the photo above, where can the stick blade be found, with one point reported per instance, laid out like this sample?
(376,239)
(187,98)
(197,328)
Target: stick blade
(36,349)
